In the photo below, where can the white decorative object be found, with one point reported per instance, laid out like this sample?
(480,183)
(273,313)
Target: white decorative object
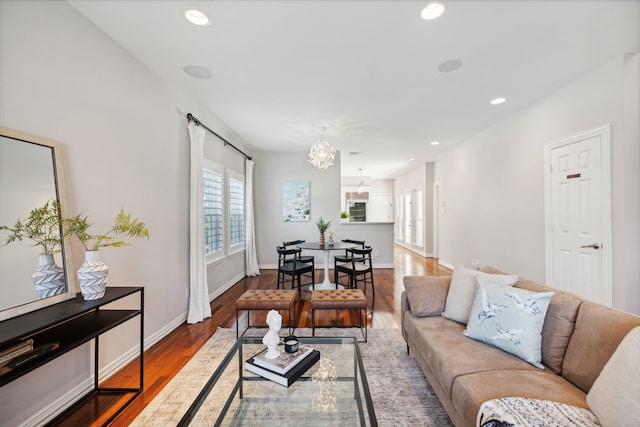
(322,154)
(271,339)
(49,278)
(92,276)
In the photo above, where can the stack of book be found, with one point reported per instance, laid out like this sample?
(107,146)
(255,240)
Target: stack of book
(10,353)
(286,368)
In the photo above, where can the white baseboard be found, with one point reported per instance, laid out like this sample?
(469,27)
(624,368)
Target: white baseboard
(222,289)
(445,264)
(56,407)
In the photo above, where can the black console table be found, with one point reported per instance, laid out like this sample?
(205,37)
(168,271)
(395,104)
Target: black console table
(67,325)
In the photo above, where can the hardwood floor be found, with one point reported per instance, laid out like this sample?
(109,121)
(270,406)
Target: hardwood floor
(166,358)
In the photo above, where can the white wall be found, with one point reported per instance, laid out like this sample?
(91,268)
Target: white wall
(493,183)
(125,144)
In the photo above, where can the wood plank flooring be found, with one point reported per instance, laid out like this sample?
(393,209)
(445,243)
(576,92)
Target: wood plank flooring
(166,358)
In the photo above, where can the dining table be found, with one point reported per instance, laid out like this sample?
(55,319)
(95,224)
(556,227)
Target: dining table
(326,283)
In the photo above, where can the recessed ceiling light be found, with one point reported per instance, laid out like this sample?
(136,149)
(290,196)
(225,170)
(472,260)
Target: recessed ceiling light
(432,11)
(449,66)
(198,71)
(196,17)
(497,101)
(411,159)
(435,142)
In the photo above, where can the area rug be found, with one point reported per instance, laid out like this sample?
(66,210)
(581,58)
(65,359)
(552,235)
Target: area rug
(400,392)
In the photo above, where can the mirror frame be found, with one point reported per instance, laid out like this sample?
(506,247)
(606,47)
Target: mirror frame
(69,271)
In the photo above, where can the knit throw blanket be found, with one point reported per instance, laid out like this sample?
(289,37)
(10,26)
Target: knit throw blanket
(525,412)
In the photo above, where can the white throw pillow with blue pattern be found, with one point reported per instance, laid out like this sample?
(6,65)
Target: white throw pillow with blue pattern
(510,319)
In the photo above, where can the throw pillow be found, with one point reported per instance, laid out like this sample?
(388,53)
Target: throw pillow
(426,296)
(463,290)
(510,319)
(614,394)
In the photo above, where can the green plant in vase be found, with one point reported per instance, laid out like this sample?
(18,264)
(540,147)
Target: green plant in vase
(92,274)
(123,224)
(323,226)
(42,227)
(344,216)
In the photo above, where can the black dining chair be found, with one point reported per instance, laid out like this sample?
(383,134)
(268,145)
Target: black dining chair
(343,258)
(291,269)
(307,259)
(359,269)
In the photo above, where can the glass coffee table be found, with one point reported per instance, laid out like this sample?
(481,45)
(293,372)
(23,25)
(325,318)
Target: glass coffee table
(333,392)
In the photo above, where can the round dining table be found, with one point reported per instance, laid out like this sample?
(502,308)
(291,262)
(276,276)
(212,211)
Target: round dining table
(326,248)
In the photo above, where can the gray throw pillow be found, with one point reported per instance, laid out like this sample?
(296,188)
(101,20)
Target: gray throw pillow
(426,295)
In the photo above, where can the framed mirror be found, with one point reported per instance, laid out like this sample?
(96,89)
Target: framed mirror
(31,177)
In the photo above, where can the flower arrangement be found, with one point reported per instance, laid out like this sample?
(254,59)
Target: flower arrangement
(332,237)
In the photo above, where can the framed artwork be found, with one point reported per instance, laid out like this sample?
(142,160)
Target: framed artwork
(296,201)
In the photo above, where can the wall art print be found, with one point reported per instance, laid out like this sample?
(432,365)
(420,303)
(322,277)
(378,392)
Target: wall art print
(296,201)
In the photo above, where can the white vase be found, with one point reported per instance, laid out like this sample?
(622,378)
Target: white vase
(92,276)
(48,278)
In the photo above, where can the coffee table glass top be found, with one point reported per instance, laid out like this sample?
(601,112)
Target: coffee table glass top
(234,396)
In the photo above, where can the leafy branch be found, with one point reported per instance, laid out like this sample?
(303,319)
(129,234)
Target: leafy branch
(42,227)
(323,225)
(123,224)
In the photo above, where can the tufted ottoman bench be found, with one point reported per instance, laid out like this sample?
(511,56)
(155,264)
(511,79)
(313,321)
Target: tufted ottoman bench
(339,299)
(266,299)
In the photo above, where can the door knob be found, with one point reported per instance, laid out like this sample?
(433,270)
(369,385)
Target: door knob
(593,245)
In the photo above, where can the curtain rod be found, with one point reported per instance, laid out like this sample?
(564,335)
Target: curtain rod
(199,123)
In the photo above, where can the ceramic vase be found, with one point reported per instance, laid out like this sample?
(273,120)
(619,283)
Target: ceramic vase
(48,278)
(92,276)
(321,239)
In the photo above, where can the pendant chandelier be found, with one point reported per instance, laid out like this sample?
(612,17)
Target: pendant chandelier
(322,154)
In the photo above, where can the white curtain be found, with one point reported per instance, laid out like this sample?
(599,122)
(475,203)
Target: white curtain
(250,239)
(199,308)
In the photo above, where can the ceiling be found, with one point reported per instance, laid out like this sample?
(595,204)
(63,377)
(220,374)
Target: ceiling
(364,73)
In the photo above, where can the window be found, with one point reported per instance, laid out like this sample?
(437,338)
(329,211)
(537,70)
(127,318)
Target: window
(236,211)
(213,210)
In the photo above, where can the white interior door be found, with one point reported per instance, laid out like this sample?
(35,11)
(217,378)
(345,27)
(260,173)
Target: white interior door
(408,218)
(418,219)
(578,215)
(400,218)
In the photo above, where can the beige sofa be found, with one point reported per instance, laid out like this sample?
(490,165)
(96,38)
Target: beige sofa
(578,338)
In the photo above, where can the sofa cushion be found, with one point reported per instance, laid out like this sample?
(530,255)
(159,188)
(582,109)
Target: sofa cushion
(426,297)
(559,322)
(450,354)
(510,319)
(598,332)
(470,391)
(614,394)
(462,291)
